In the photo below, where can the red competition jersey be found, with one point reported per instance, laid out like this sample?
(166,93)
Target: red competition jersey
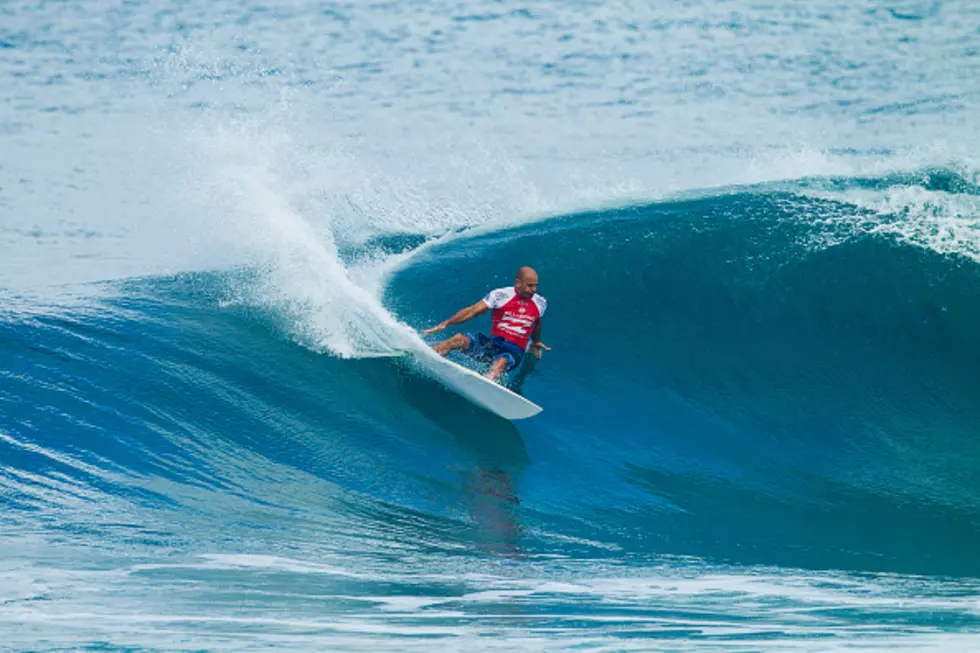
(513,316)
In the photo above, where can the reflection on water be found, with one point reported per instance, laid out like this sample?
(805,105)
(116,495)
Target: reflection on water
(497,457)
(494,508)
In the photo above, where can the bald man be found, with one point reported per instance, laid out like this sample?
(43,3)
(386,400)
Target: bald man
(516,326)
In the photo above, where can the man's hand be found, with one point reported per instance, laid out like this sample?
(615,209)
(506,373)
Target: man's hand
(536,348)
(438,327)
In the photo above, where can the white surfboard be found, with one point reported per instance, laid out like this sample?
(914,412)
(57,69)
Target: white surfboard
(481,391)
(478,389)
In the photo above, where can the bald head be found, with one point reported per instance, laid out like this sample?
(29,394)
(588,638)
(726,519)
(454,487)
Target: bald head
(526,282)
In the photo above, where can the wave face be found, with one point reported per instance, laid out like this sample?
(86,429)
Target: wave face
(750,392)
(744,406)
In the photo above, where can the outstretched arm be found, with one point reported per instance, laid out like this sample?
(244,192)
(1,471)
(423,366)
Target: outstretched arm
(461,316)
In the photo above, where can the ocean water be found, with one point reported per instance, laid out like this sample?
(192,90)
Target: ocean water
(758,230)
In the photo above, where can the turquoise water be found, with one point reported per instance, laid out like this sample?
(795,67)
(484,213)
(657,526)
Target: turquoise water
(756,227)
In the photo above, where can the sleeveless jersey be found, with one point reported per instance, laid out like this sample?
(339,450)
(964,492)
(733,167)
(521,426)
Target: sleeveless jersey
(513,316)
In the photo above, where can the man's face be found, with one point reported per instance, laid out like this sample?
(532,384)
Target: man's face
(528,285)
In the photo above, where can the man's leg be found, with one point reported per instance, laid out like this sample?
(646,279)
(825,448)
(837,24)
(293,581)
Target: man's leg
(498,367)
(458,341)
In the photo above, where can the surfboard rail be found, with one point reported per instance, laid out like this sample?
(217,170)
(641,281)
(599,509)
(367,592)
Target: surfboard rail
(479,390)
(465,382)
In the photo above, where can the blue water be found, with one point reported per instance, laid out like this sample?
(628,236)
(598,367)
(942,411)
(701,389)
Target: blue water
(758,230)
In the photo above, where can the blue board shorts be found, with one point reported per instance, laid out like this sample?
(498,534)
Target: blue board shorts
(490,348)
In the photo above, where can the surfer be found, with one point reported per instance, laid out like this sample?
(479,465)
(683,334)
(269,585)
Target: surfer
(516,326)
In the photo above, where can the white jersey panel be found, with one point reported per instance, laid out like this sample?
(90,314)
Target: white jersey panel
(542,304)
(497,298)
